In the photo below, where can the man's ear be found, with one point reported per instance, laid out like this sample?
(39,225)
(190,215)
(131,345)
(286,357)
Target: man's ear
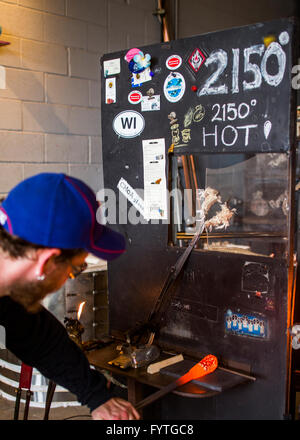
(45,263)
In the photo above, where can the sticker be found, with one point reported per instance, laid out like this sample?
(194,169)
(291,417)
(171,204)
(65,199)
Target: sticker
(150,103)
(135,97)
(246,325)
(138,79)
(174,87)
(139,62)
(173,62)
(112,67)
(155,187)
(131,53)
(196,60)
(139,65)
(284,38)
(128,124)
(110,91)
(131,195)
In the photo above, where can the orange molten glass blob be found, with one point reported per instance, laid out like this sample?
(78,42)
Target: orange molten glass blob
(206,366)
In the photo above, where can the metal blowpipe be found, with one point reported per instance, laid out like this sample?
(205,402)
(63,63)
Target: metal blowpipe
(206,366)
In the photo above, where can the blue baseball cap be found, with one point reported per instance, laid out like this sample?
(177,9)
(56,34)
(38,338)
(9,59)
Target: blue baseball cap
(59,211)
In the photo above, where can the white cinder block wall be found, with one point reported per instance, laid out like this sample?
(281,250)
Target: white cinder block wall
(50,109)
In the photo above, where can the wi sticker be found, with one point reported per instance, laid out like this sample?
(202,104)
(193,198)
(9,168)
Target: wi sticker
(128,124)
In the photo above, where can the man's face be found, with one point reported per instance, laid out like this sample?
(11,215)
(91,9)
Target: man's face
(30,293)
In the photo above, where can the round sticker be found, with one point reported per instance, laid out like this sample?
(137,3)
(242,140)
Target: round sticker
(173,62)
(135,97)
(174,87)
(128,124)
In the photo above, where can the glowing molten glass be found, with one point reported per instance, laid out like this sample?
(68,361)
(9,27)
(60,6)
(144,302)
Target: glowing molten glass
(206,366)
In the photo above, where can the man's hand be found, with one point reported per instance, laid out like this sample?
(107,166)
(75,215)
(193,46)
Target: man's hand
(115,409)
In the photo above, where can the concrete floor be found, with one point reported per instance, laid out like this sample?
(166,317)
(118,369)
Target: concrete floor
(69,413)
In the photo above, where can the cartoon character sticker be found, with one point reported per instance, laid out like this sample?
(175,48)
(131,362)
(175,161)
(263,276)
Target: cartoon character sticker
(246,325)
(139,65)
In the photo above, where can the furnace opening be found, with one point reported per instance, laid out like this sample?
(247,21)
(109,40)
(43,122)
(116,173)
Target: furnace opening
(253,186)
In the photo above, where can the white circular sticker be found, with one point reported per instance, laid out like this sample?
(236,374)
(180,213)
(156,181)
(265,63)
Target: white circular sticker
(174,87)
(173,62)
(135,97)
(284,38)
(128,124)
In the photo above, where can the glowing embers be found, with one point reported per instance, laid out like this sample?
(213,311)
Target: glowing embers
(246,325)
(196,60)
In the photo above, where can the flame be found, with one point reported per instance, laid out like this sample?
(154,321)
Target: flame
(80,308)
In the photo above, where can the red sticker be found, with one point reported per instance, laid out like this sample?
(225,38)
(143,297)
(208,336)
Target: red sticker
(135,97)
(196,60)
(173,62)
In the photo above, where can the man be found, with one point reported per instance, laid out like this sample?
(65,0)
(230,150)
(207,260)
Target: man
(47,228)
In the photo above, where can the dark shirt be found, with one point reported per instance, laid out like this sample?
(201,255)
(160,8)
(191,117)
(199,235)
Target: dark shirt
(41,341)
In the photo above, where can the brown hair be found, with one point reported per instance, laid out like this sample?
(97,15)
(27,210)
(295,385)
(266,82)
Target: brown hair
(16,247)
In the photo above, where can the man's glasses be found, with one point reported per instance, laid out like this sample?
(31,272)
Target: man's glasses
(77,270)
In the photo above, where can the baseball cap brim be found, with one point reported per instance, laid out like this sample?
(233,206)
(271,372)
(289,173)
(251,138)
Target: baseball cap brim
(106,243)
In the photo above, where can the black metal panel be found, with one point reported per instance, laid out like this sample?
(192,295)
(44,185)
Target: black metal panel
(253,64)
(212,283)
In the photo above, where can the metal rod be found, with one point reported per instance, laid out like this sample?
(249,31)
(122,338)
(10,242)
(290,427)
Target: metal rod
(27,404)
(246,376)
(185,236)
(17,404)
(49,397)
(157,395)
(206,366)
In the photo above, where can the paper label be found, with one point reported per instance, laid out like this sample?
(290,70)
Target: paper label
(155,189)
(131,195)
(140,78)
(112,67)
(110,91)
(150,103)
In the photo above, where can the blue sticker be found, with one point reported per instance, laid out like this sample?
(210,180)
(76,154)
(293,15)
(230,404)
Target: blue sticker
(174,87)
(247,325)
